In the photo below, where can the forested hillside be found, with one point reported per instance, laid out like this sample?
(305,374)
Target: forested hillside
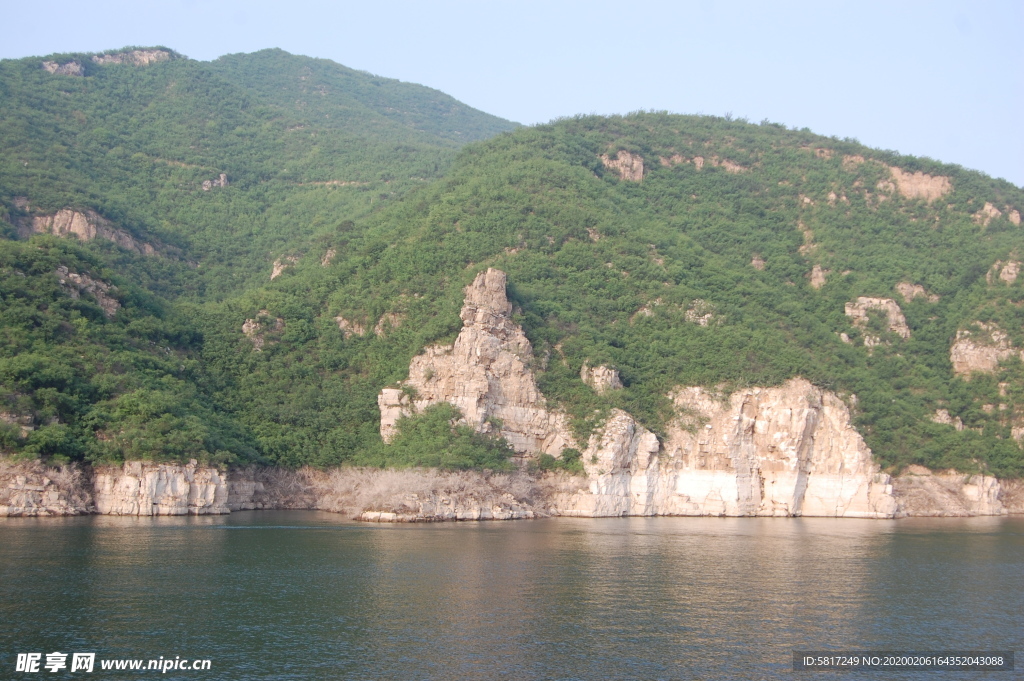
(680,250)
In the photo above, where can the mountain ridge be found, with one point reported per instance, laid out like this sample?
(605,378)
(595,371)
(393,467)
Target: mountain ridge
(676,251)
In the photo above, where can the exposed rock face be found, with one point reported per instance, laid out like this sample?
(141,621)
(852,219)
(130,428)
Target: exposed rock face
(942,416)
(29,489)
(921,492)
(140,488)
(349,327)
(485,374)
(71,68)
(255,329)
(911,291)
(987,213)
(1006,272)
(134,57)
(222,181)
(629,166)
(701,312)
(281,264)
(757,262)
(789,450)
(328,257)
(76,284)
(389,321)
(980,352)
(623,478)
(818,277)
(919,185)
(23,422)
(601,378)
(781,451)
(896,322)
(375,495)
(87,225)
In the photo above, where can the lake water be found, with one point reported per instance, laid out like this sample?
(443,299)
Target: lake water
(307,595)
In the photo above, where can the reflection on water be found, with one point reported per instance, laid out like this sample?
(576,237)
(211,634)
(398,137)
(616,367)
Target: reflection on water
(306,595)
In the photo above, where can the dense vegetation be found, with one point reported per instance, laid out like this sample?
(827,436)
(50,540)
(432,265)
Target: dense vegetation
(601,269)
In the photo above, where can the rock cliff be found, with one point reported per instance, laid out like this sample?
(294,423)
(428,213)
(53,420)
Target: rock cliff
(140,488)
(921,492)
(485,373)
(783,451)
(29,489)
(789,450)
(85,225)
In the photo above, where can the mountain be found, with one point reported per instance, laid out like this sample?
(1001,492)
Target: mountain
(183,182)
(644,255)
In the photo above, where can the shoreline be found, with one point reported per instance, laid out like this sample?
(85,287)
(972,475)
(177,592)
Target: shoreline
(29,489)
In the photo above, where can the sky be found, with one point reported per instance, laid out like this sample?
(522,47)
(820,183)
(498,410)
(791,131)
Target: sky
(936,78)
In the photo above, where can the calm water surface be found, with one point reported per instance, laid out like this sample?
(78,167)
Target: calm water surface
(307,595)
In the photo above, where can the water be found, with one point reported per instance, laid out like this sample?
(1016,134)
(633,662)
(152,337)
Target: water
(307,595)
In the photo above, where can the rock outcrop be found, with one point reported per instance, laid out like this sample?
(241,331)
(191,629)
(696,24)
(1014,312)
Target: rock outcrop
(921,492)
(600,378)
(987,213)
(1005,272)
(281,264)
(818,276)
(71,68)
(911,291)
(943,417)
(626,165)
(485,373)
(920,185)
(75,284)
(140,488)
(132,57)
(221,181)
(976,351)
(783,451)
(29,489)
(256,330)
(624,477)
(349,327)
(895,321)
(86,226)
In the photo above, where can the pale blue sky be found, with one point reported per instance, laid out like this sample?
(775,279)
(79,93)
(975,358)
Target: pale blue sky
(939,78)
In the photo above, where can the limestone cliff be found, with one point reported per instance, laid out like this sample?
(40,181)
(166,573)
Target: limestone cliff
(141,488)
(485,373)
(85,225)
(29,489)
(782,451)
(921,492)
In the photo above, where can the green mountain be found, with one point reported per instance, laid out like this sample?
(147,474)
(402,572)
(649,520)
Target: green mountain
(680,250)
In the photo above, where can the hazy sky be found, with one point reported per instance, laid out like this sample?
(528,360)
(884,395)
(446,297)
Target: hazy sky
(938,78)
